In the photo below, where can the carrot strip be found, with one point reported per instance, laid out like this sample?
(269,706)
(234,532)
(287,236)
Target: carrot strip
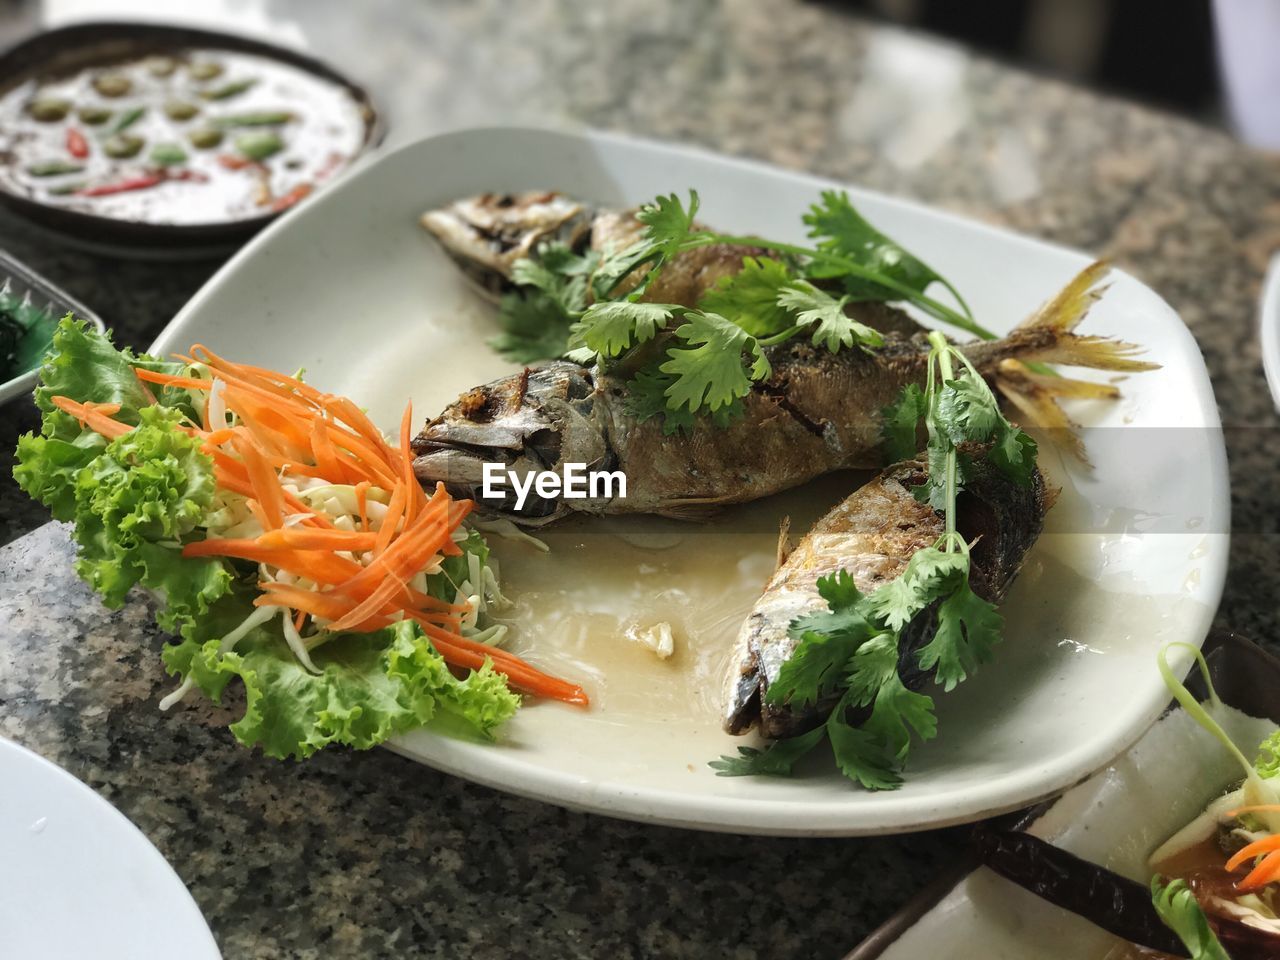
(391,519)
(315,539)
(467,653)
(367,607)
(266,485)
(1263,874)
(172,380)
(299,618)
(417,497)
(1251,850)
(323,605)
(92,419)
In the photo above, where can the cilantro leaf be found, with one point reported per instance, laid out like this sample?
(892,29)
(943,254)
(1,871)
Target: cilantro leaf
(669,221)
(929,574)
(842,231)
(814,668)
(900,422)
(966,410)
(647,398)
(827,639)
(534,327)
(862,756)
(750,296)
(775,760)
(1177,906)
(615,266)
(711,371)
(896,712)
(612,326)
(826,315)
(840,590)
(537,318)
(560,260)
(1013,453)
(968,629)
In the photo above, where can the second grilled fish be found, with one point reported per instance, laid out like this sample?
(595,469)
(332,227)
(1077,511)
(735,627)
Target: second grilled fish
(873,534)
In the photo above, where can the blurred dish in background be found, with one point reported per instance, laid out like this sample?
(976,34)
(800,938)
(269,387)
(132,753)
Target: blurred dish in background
(167,137)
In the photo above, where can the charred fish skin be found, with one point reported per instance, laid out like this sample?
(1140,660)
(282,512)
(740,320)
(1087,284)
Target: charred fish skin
(873,534)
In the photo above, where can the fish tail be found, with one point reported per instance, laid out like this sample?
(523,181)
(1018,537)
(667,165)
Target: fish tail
(1015,364)
(1048,335)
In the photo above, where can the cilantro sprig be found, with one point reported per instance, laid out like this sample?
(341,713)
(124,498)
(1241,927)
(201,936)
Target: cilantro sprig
(850,655)
(592,308)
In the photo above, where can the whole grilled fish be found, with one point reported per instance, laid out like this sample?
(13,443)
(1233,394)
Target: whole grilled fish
(873,534)
(818,412)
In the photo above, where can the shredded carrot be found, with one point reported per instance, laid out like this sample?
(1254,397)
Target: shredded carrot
(286,429)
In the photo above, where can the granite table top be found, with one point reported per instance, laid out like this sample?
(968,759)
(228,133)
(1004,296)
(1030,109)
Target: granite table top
(369,855)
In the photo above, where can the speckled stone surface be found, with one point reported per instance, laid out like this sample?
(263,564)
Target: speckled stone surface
(367,855)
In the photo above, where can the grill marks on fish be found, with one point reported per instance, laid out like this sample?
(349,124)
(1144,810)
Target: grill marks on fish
(873,534)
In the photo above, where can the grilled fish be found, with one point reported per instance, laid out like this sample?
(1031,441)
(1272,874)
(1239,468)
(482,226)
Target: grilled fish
(817,413)
(873,534)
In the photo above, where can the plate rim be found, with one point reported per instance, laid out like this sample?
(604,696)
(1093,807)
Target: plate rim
(726,814)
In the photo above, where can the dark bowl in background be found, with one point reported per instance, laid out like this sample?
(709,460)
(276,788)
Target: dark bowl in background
(67,49)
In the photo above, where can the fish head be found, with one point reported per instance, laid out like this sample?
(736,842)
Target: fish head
(486,234)
(531,422)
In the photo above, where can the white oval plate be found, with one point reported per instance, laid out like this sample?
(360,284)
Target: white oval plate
(79,880)
(350,288)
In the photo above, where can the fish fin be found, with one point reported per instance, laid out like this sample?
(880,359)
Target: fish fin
(1064,312)
(1048,336)
(1038,404)
(785,546)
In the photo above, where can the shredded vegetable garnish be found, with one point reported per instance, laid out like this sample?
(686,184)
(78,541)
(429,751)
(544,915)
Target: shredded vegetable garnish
(343,537)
